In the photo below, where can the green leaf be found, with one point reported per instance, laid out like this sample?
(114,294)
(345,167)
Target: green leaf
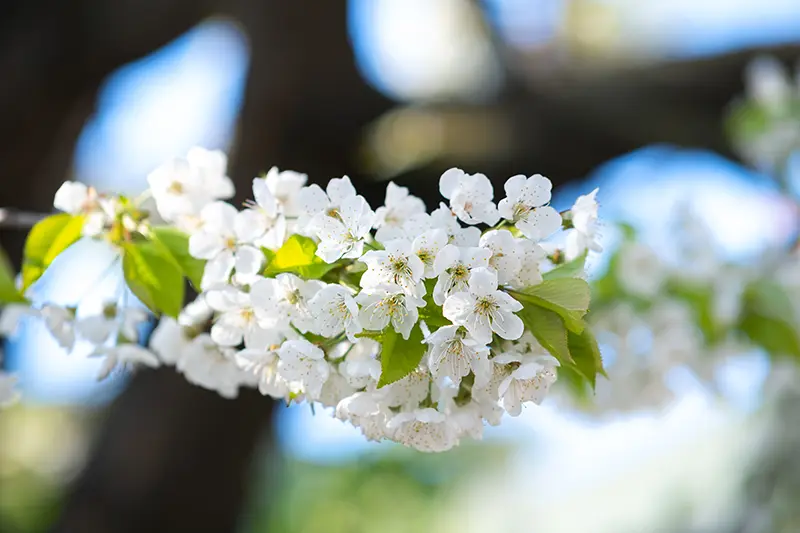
(586,354)
(177,243)
(153,276)
(399,357)
(570,269)
(768,319)
(777,337)
(298,256)
(568,297)
(46,240)
(548,328)
(8,286)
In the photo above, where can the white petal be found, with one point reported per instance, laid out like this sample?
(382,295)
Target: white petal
(482,281)
(508,325)
(450,182)
(340,189)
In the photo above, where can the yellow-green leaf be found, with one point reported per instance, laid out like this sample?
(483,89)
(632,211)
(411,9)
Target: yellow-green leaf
(399,357)
(570,269)
(46,240)
(568,297)
(586,354)
(177,243)
(298,256)
(8,286)
(153,276)
(548,328)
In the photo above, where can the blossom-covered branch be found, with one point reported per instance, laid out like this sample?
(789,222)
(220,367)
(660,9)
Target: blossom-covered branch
(415,326)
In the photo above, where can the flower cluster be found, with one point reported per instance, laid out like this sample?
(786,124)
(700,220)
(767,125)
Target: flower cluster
(415,327)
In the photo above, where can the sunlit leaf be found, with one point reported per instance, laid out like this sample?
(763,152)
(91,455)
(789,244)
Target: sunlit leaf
(570,269)
(153,276)
(586,354)
(568,297)
(8,285)
(298,256)
(548,328)
(46,240)
(399,357)
(177,243)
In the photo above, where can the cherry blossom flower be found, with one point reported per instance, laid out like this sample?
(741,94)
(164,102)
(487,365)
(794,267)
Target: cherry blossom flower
(386,303)
(285,299)
(454,353)
(396,264)
(470,196)
(453,265)
(219,244)
(426,430)
(526,206)
(398,208)
(584,235)
(505,259)
(343,233)
(528,382)
(484,309)
(335,310)
(305,363)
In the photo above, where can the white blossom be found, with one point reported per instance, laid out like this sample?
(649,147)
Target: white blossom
(386,303)
(505,259)
(76,198)
(285,186)
(169,340)
(526,206)
(528,382)
(263,364)
(183,186)
(444,218)
(61,324)
(408,392)
(396,264)
(427,246)
(283,299)
(399,206)
(470,196)
(207,365)
(531,256)
(342,232)
(124,354)
(335,310)
(11,316)
(361,367)
(454,353)
(453,265)
(426,430)
(364,411)
(313,201)
(484,309)
(217,242)
(305,363)
(238,320)
(584,235)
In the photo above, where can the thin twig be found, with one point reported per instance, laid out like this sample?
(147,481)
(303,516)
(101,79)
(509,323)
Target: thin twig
(13,218)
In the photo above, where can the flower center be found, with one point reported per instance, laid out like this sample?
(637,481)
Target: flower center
(460,272)
(398,266)
(334,213)
(175,187)
(230,243)
(485,306)
(521,211)
(293,297)
(425,256)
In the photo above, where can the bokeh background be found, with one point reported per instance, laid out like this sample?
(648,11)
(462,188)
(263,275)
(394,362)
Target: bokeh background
(627,95)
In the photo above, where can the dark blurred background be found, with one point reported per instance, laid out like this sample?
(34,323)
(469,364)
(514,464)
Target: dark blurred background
(627,94)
